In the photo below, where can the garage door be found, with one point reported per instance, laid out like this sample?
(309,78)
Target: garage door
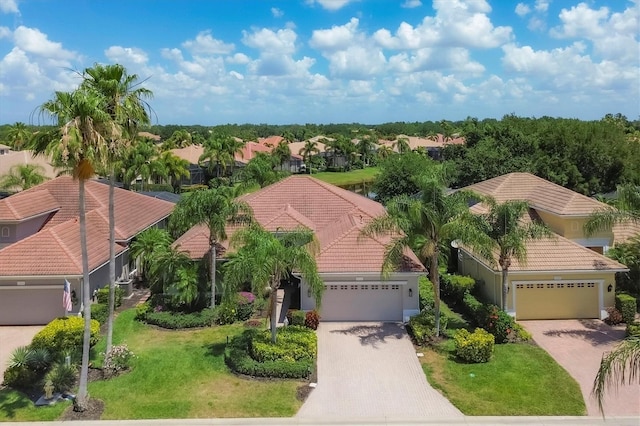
(557,300)
(362,302)
(30,306)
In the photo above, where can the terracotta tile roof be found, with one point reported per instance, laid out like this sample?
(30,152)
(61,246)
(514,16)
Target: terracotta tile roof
(56,251)
(624,231)
(335,214)
(190,153)
(249,151)
(271,141)
(560,254)
(297,147)
(24,206)
(540,193)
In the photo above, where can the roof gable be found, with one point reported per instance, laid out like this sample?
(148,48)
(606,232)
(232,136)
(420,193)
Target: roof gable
(23,206)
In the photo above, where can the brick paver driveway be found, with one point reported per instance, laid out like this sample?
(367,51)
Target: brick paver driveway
(12,336)
(371,370)
(578,345)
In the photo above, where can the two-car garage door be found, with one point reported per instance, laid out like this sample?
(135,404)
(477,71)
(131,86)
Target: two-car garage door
(362,302)
(34,305)
(557,300)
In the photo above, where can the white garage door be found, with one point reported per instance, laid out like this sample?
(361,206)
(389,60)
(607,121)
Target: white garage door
(30,306)
(362,302)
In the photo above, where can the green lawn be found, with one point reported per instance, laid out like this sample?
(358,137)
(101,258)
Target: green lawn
(177,374)
(521,379)
(353,177)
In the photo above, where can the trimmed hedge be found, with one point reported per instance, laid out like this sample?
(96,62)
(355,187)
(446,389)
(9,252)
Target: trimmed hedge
(423,326)
(474,347)
(176,320)
(65,334)
(425,293)
(238,359)
(295,343)
(102,295)
(633,329)
(474,309)
(626,304)
(454,287)
(100,312)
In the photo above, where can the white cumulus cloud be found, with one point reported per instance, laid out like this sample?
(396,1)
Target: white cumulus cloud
(32,40)
(410,4)
(126,55)
(9,6)
(204,43)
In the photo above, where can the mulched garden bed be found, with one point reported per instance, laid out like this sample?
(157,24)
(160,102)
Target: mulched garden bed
(94,410)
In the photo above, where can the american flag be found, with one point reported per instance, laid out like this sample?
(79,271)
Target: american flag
(66,297)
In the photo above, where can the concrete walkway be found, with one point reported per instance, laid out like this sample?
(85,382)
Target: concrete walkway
(370,370)
(13,336)
(578,346)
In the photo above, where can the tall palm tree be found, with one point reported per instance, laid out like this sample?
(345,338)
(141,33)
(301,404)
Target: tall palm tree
(264,259)
(502,231)
(215,208)
(402,145)
(140,160)
(309,149)
(19,135)
(175,168)
(620,366)
(22,176)
(79,142)
(124,101)
(366,148)
(626,208)
(281,154)
(423,223)
(216,155)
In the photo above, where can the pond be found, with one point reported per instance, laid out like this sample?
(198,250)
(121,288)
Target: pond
(362,188)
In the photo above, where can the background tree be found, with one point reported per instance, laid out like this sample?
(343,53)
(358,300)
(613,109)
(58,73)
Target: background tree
(402,145)
(216,208)
(22,176)
(281,155)
(181,138)
(140,161)
(260,170)
(309,149)
(145,245)
(175,168)
(264,259)
(397,173)
(19,135)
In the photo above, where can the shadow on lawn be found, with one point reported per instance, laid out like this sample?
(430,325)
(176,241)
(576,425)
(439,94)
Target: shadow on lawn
(10,408)
(215,349)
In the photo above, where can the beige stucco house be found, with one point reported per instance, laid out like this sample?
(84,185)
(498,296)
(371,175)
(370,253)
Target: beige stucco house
(564,277)
(349,264)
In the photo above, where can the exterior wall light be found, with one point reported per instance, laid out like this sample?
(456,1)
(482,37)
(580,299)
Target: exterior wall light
(609,288)
(308,292)
(410,292)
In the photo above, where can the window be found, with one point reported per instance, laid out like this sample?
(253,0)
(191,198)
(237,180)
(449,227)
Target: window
(343,287)
(364,287)
(539,285)
(550,285)
(591,285)
(354,287)
(385,287)
(529,285)
(580,285)
(560,285)
(374,287)
(519,285)
(395,287)
(571,285)
(5,231)
(333,287)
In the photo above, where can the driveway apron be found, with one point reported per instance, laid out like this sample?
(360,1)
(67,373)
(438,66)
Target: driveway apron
(12,336)
(578,346)
(368,370)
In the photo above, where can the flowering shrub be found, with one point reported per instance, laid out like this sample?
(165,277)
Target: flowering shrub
(244,310)
(474,347)
(499,323)
(312,319)
(246,297)
(226,313)
(116,361)
(615,316)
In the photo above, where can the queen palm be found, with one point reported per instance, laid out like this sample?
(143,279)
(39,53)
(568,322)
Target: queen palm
(175,168)
(19,135)
(22,176)
(626,208)
(402,145)
(281,154)
(79,142)
(216,154)
(264,259)
(620,366)
(214,208)
(423,223)
(145,246)
(124,101)
(309,149)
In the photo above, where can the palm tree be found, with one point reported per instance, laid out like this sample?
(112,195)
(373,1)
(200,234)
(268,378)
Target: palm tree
(179,139)
(260,170)
(366,148)
(402,145)
(19,135)
(281,154)
(310,148)
(423,223)
(384,151)
(173,273)
(79,142)
(215,208)
(140,160)
(22,176)
(502,230)
(145,246)
(216,155)
(620,366)
(124,102)
(265,259)
(626,208)
(175,168)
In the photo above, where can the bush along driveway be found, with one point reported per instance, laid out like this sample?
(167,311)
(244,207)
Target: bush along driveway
(578,346)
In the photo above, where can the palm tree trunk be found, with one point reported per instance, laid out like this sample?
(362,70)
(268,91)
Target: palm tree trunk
(274,312)
(81,401)
(434,276)
(505,288)
(112,261)
(213,275)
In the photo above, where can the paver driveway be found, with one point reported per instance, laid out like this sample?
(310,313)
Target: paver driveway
(371,370)
(12,336)
(578,345)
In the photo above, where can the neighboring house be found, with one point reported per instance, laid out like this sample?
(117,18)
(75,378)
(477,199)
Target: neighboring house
(10,158)
(40,244)
(349,264)
(192,153)
(564,277)
(433,146)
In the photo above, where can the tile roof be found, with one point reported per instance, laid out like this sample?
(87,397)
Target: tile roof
(622,232)
(296,148)
(336,215)
(560,254)
(23,206)
(249,150)
(56,251)
(417,142)
(190,153)
(540,193)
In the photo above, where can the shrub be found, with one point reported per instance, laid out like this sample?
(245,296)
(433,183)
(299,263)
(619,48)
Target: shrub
(100,312)
(296,317)
(176,320)
(64,335)
(255,322)
(22,356)
(21,377)
(312,319)
(226,313)
(40,359)
(626,304)
(62,377)
(633,329)
(614,317)
(423,326)
(520,334)
(294,343)
(260,307)
(474,309)
(116,361)
(142,310)
(425,293)
(454,287)
(499,323)
(474,347)
(238,359)
(244,310)
(102,295)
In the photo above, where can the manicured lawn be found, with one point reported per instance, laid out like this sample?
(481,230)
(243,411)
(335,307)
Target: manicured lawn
(177,374)
(352,177)
(520,380)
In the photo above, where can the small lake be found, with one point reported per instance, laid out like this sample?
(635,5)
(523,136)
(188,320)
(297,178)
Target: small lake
(363,188)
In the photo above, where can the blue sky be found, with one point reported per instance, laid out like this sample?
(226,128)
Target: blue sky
(322,61)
